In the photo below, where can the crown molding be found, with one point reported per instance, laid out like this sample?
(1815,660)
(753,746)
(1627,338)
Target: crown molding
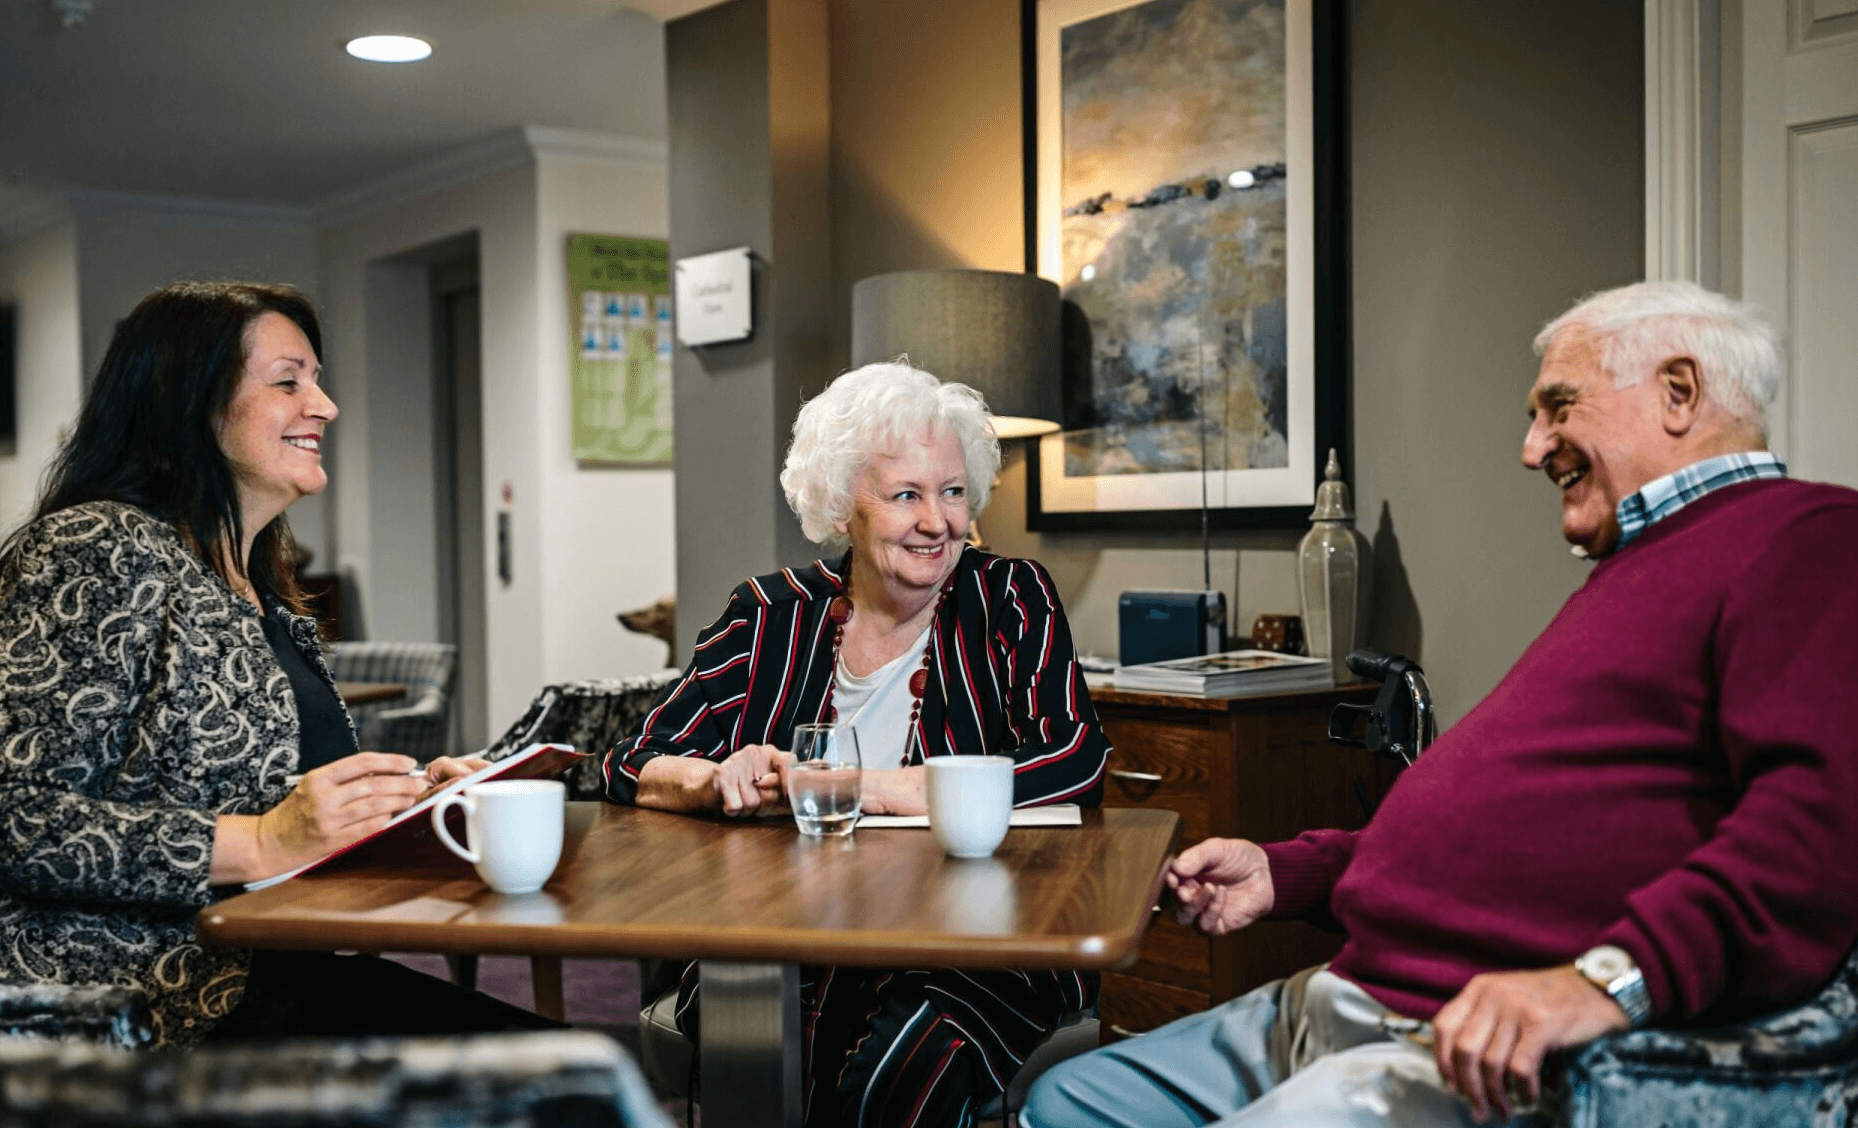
(24,212)
(497,153)
(27,211)
(596,148)
(94,203)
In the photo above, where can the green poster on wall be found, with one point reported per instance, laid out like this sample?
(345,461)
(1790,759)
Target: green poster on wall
(620,306)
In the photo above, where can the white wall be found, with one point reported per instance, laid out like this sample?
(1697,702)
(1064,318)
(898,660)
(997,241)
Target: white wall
(587,542)
(501,209)
(77,279)
(609,545)
(130,246)
(39,273)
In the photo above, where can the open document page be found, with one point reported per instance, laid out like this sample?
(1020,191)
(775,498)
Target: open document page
(537,761)
(1058,814)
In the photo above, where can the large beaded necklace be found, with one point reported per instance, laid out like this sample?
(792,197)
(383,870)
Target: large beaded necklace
(840,612)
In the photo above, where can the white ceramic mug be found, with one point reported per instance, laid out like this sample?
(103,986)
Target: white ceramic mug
(970,802)
(514,830)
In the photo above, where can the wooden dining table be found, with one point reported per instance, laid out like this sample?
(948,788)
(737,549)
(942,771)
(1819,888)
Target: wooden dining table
(368,693)
(752,899)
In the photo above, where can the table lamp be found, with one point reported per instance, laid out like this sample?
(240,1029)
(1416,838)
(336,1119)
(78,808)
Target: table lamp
(993,331)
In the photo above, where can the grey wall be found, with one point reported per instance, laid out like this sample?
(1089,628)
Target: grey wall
(1494,154)
(1494,159)
(1497,176)
(747,167)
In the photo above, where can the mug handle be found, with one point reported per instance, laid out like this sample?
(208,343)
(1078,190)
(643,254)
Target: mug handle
(460,799)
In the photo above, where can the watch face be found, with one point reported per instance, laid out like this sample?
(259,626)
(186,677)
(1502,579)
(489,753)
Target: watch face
(1605,964)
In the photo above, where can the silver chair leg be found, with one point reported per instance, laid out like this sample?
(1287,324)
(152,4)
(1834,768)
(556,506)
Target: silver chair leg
(750,1044)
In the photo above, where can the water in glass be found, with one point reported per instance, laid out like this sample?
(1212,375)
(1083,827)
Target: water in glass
(823,783)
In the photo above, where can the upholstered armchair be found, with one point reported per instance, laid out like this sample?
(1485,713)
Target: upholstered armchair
(1796,1067)
(74,1058)
(588,715)
(419,726)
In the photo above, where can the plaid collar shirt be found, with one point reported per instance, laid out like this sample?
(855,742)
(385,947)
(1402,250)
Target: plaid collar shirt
(1664,496)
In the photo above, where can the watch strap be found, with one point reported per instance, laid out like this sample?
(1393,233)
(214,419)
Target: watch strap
(1629,992)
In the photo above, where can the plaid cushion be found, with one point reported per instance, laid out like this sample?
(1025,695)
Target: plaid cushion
(589,715)
(419,726)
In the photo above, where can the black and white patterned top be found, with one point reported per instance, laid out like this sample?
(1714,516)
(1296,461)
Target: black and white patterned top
(138,701)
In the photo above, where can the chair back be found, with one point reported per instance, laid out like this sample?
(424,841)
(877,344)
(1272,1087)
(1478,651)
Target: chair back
(590,716)
(420,725)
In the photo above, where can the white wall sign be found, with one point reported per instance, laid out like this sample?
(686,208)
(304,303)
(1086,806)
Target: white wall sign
(712,298)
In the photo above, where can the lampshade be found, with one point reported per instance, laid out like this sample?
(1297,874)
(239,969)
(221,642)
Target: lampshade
(993,331)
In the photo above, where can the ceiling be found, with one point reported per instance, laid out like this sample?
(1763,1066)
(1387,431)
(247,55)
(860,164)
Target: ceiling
(255,100)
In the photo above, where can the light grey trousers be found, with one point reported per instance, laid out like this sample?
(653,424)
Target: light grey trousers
(1312,1056)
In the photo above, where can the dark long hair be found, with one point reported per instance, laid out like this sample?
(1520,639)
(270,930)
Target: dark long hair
(147,434)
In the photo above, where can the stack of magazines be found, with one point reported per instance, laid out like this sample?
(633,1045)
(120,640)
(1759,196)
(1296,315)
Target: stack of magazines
(1235,673)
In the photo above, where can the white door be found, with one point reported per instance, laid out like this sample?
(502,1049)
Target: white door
(1752,188)
(1799,217)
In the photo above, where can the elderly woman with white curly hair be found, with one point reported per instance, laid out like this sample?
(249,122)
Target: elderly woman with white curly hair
(928,647)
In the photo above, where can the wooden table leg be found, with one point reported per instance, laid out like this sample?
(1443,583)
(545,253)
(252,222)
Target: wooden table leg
(545,973)
(751,1044)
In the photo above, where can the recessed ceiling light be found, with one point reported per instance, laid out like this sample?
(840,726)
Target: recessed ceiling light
(389,48)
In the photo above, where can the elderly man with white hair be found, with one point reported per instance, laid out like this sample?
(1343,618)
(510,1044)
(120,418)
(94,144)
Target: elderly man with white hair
(1649,820)
(926,647)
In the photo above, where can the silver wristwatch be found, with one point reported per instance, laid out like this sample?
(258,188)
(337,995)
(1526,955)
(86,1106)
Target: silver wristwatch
(1612,970)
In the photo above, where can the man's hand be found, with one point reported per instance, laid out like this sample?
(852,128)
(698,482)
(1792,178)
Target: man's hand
(750,779)
(1222,884)
(1491,1039)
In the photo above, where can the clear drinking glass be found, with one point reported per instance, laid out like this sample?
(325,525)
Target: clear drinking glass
(822,784)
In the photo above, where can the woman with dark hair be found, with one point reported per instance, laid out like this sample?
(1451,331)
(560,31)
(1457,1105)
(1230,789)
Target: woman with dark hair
(161,689)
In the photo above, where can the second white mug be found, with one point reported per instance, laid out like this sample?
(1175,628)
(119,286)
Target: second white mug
(970,802)
(514,829)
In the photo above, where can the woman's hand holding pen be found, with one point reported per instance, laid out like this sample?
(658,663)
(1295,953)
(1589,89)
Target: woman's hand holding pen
(335,805)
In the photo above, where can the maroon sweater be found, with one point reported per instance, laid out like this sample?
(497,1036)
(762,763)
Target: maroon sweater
(1671,767)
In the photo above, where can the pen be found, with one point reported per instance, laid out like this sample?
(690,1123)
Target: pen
(294,780)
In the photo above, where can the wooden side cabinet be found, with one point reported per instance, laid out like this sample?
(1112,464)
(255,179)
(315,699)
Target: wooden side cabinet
(1261,768)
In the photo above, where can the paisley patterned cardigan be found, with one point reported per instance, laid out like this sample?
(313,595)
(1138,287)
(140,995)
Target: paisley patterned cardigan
(138,701)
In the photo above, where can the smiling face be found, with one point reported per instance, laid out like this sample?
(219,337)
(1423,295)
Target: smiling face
(1596,442)
(272,432)
(910,515)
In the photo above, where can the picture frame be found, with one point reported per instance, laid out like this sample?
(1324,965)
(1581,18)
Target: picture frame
(619,306)
(1205,316)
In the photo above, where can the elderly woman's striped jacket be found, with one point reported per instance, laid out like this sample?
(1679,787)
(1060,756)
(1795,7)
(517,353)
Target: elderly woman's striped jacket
(1003,679)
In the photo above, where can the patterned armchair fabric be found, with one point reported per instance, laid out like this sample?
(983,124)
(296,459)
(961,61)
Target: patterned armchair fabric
(1796,1067)
(419,726)
(102,1016)
(589,715)
(67,1061)
(578,1078)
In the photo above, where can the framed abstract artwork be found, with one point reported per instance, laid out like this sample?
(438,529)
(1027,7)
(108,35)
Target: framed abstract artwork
(1185,191)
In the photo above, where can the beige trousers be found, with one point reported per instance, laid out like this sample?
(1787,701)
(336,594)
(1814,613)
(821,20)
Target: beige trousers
(1306,1052)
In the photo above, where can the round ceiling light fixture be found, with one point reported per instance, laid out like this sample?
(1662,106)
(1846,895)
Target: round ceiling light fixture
(389,48)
